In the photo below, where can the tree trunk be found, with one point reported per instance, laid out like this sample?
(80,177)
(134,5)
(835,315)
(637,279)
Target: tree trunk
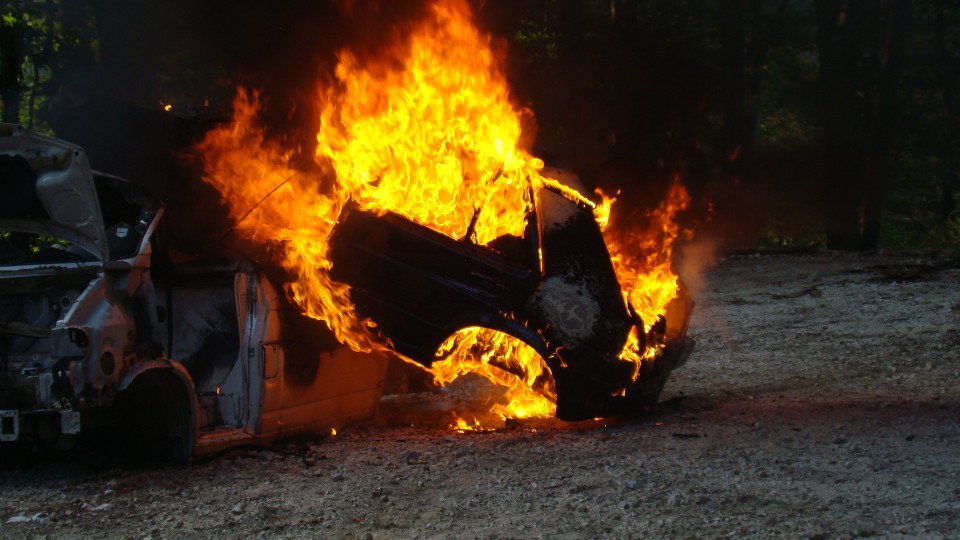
(842,158)
(733,49)
(10,62)
(949,163)
(885,116)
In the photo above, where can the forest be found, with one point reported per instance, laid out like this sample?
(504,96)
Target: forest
(793,123)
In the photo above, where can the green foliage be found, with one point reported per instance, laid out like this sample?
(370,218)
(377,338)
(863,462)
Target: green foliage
(29,244)
(47,39)
(916,215)
(778,233)
(782,128)
(539,38)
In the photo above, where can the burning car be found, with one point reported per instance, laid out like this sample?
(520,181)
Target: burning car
(424,231)
(553,288)
(425,226)
(103,323)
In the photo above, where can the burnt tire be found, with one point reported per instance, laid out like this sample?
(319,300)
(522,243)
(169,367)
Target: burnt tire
(158,418)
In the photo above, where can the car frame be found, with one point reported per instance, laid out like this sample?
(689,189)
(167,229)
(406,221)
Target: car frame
(106,324)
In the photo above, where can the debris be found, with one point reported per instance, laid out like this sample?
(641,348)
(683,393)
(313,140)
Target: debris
(812,291)
(24,519)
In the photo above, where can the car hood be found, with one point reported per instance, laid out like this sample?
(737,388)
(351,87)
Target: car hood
(49,190)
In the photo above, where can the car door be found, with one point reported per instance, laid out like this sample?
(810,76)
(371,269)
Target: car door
(419,286)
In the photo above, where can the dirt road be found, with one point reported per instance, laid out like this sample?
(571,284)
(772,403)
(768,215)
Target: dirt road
(822,401)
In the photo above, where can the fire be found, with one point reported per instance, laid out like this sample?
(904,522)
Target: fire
(435,141)
(505,361)
(642,260)
(427,132)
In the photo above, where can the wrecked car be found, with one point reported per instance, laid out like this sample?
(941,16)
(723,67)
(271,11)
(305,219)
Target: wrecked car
(103,323)
(554,289)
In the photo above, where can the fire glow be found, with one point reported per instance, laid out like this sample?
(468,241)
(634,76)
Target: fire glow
(429,132)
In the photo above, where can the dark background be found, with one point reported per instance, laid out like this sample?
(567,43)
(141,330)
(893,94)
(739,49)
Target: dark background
(793,123)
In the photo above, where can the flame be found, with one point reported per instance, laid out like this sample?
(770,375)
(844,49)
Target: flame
(435,141)
(642,259)
(427,131)
(505,361)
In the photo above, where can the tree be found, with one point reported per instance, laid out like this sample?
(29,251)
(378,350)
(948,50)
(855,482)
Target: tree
(39,41)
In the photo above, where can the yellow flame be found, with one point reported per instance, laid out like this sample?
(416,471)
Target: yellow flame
(504,360)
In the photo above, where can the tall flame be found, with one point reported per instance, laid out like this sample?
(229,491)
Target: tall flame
(427,132)
(435,141)
(642,257)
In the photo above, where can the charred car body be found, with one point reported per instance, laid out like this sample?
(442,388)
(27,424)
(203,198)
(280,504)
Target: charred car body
(102,323)
(554,289)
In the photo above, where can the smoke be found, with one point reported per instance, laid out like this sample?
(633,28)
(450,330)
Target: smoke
(696,258)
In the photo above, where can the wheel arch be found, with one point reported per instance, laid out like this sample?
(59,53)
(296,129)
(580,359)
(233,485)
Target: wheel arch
(159,395)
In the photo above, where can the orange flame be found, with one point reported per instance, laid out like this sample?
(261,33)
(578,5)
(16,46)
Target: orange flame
(428,133)
(642,258)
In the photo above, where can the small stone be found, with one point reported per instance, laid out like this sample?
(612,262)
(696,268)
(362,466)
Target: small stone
(412,457)
(268,512)
(265,457)
(237,508)
(840,440)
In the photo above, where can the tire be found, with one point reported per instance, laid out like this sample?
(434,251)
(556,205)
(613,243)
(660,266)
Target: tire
(158,414)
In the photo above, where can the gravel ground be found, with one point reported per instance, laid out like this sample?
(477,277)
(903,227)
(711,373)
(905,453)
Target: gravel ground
(822,401)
